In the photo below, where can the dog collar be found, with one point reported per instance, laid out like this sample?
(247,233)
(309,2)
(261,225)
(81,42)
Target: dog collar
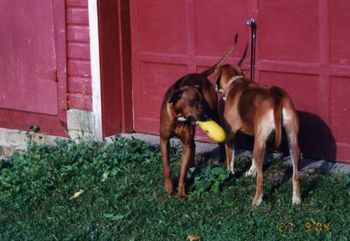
(229,83)
(234,78)
(179,118)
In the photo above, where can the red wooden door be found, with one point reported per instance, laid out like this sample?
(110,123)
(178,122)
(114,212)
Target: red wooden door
(302,46)
(32,65)
(172,38)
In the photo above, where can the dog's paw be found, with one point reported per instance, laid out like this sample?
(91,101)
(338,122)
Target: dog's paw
(232,171)
(181,193)
(250,173)
(169,188)
(296,200)
(252,170)
(257,200)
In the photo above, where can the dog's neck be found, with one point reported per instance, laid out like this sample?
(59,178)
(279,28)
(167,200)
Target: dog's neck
(233,79)
(172,113)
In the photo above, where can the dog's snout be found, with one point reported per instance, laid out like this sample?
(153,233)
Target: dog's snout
(203,117)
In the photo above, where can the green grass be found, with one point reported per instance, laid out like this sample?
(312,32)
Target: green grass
(123,198)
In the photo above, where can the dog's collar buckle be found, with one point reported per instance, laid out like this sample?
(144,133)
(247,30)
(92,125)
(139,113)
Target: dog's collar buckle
(181,119)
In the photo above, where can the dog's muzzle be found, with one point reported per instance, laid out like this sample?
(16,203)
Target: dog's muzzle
(203,117)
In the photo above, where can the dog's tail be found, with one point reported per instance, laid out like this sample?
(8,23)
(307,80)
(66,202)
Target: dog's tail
(277,112)
(243,56)
(209,71)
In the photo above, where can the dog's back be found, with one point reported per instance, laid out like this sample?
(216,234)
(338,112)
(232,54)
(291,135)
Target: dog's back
(258,110)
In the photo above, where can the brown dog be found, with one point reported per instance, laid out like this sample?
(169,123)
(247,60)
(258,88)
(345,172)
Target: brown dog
(257,110)
(189,99)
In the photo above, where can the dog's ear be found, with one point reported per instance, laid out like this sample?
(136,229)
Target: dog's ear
(175,96)
(237,70)
(217,80)
(241,72)
(217,83)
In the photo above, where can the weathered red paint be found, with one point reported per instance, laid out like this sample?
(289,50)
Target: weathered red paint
(302,46)
(79,101)
(79,67)
(79,85)
(33,65)
(78,51)
(78,33)
(77,15)
(77,3)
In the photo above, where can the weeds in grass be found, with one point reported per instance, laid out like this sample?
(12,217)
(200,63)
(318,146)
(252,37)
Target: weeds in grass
(114,191)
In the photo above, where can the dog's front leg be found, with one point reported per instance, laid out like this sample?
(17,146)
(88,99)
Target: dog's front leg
(168,183)
(188,151)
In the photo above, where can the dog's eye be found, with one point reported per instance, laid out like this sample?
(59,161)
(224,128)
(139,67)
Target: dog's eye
(194,102)
(218,78)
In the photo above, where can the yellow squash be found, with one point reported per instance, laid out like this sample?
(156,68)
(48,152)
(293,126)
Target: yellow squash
(213,130)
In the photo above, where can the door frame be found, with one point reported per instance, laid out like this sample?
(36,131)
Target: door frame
(110,51)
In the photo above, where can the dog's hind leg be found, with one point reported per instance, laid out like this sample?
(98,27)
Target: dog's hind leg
(230,153)
(262,132)
(291,125)
(258,157)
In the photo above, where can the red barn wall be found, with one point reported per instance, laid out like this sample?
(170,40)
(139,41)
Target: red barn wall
(314,67)
(78,54)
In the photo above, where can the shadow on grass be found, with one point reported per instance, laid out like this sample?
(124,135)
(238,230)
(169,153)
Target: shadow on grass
(208,170)
(309,185)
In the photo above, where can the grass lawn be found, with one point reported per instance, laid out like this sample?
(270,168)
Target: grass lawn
(101,191)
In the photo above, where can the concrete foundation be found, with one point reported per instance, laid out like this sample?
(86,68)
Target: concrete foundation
(15,140)
(80,124)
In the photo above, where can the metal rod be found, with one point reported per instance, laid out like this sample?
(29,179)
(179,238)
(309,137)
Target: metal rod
(251,22)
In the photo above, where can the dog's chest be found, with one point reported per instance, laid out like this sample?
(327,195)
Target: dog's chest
(183,128)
